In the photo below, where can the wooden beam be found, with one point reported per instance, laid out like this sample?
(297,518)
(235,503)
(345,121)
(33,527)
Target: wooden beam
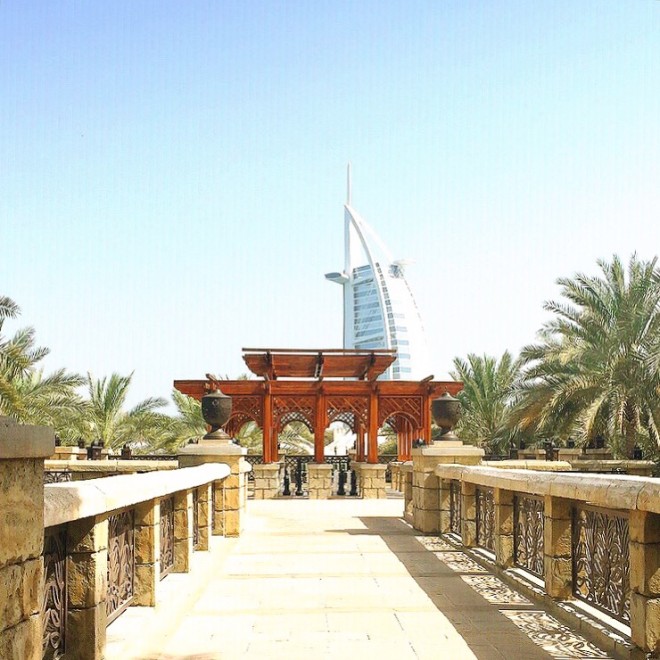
(318,373)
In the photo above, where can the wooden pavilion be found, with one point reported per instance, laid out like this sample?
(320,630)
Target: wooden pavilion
(318,387)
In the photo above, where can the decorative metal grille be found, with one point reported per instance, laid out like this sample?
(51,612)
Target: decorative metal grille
(528,533)
(601,560)
(53,612)
(486,519)
(195,519)
(166,536)
(121,563)
(56,476)
(455,506)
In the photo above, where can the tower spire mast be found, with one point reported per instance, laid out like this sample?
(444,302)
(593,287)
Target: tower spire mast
(348,184)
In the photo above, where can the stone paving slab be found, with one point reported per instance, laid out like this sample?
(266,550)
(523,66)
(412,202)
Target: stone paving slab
(318,579)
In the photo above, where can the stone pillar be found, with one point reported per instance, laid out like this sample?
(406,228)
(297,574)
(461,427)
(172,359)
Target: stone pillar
(22,453)
(468,514)
(645,581)
(444,499)
(557,564)
(407,477)
(147,552)
(231,493)
(204,504)
(319,476)
(371,480)
(426,486)
(69,454)
(503,500)
(87,582)
(267,485)
(395,471)
(183,531)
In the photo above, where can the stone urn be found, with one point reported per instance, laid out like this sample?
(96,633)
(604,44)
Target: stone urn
(216,409)
(446,412)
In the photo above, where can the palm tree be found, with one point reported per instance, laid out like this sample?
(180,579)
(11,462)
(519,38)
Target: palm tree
(25,393)
(104,418)
(486,399)
(595,370)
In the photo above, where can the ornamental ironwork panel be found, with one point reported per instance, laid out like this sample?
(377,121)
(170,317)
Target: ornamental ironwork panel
(56,476)
(166,536)
(455,506)
(121,563)
(601,560)
(53,611)
(528,512)
(486,519)
(195,519)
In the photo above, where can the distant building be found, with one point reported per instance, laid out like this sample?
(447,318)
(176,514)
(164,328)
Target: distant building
(379,308)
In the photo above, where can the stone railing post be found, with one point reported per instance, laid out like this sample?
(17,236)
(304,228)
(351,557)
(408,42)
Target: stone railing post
(444,495)
(645,581)
(503,501)
(468,514)
(267,485)
(231,493)
(371,480)
(183,531)
(22,453)
(426,486)
(319,476)
(87,577)
(406,478)
(147,552)
(557,563)
(204,515)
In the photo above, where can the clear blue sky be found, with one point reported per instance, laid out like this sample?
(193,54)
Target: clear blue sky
(172,174)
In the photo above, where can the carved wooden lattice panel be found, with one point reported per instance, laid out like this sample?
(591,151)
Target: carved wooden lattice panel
(244,409)
(348,409)
(293,409)
(408,406)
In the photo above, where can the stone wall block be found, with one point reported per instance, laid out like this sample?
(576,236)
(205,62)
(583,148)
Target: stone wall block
(147,580)
(22,641)
(645,568)
(86,633)
(558,576)
(20,591)
(21,510)
(645,623)
(87,534)
(557,539)
(87,579)
(147,543)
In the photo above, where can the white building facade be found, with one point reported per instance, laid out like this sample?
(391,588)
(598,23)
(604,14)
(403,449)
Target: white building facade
(379,308)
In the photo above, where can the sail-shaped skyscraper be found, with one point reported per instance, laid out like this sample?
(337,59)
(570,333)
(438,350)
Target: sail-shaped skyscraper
(379,308)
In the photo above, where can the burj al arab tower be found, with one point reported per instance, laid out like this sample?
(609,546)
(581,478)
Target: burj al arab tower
(379,308)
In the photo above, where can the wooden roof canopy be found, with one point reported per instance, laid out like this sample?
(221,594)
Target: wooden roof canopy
(274,363)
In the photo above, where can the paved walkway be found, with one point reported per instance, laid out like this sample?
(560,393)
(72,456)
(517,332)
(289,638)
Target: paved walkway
(338,579)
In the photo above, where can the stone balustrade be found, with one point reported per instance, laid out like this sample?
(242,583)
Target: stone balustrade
(592,539)
(80,470)
(109,542)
